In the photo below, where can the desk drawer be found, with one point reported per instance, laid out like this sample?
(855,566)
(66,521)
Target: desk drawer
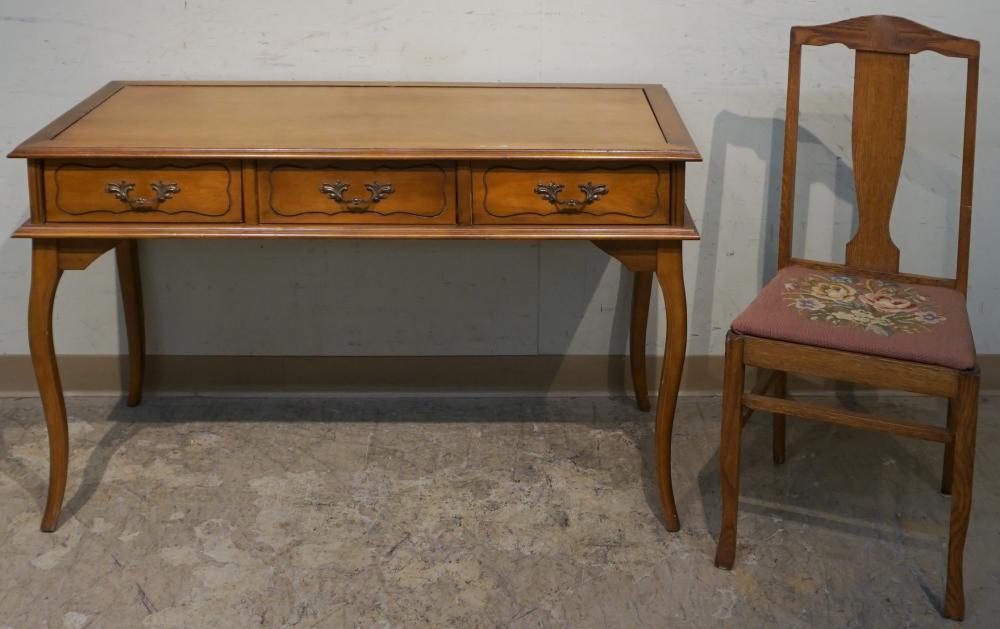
(357,192)
(143,192)
(570,193)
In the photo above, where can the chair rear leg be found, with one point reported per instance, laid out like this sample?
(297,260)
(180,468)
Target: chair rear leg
(949,452)
(778,422)
(964,410)
(729,449)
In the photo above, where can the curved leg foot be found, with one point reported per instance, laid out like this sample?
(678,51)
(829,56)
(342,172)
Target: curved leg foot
(45,274)
(127,258)
(642,289)
(965,408)
(729,449)
(670,273)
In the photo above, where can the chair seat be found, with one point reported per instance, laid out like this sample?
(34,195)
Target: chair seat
(855,313)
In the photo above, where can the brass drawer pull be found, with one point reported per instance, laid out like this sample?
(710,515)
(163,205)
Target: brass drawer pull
(123,189)
(337,189)
(591,194)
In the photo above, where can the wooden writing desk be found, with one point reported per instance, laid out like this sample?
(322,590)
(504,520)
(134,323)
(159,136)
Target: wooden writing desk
(141,160)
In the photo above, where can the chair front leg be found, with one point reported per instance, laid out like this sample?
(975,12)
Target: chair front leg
(670,273)
(729,448)
(965,409)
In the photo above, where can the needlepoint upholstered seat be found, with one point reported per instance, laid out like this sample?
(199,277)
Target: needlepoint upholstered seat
(863,314)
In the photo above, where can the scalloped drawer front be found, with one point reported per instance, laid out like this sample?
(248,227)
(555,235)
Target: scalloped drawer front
(359,193)
(143,192)
(572,194)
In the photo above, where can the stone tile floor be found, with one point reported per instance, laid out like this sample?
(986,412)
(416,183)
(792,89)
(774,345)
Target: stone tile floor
(488,512)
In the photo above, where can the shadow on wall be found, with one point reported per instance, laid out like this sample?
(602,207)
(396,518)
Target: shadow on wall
(820,232)
(764,136)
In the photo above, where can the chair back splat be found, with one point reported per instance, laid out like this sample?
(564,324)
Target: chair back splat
(883,45)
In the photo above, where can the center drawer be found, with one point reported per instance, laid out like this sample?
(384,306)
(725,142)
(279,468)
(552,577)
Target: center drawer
(356,192)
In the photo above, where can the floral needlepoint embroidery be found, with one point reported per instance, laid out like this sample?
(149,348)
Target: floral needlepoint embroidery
(878,306)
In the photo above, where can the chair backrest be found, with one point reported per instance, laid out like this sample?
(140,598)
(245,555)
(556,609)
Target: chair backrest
(883,45)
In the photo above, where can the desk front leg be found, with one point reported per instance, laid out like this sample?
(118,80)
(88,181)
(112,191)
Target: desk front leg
(49,258)
(45,274)
(670,273)
(665,260)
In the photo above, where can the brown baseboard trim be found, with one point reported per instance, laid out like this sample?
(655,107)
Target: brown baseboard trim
(381,375)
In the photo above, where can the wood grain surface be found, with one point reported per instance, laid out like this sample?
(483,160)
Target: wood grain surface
(297,119)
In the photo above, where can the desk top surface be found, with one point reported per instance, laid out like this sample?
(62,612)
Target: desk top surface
(252,120)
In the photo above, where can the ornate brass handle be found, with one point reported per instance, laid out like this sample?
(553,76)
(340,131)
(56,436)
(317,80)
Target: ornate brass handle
(122,189)
(336,190)
(591,194)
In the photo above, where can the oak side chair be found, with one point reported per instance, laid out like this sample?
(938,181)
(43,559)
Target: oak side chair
(864,321)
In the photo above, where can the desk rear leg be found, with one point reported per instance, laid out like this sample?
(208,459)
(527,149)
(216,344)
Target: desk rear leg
(642,289)
(127,258)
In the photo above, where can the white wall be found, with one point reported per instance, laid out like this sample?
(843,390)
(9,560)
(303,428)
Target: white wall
(724,62)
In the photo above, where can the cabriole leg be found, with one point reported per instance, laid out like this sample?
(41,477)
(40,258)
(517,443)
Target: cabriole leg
(670,273)
(45,274)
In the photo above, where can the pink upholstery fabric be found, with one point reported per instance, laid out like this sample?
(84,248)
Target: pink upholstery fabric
(864,315)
